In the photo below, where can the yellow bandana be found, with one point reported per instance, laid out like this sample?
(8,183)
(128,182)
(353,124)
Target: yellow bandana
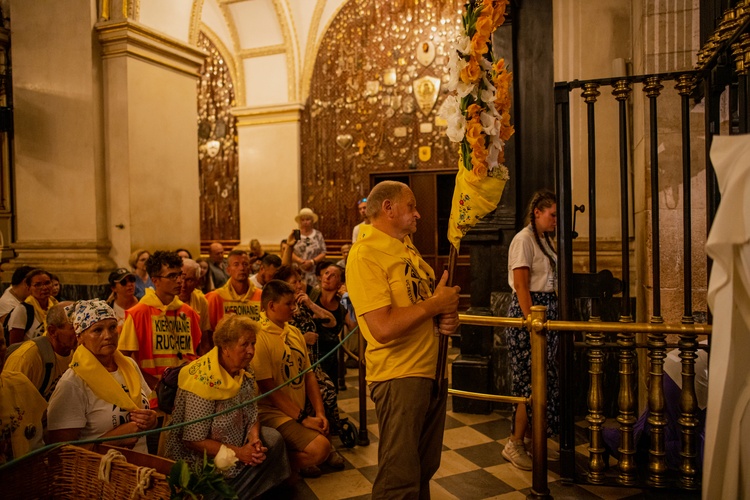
(152,300)
(227,292)
(104,385)
(41,314)
(206,378)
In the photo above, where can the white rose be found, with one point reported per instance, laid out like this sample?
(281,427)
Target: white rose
(450,111)
(487,97)
(462,43)
(464,89)
(225,459)
(490,123)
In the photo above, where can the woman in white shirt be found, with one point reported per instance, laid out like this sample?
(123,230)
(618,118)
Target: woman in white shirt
(532,264)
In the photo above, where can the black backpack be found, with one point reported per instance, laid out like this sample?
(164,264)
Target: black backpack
(166,388)
(47,354)
(29,322)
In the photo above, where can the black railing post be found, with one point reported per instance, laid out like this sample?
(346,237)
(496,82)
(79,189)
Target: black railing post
(565,278)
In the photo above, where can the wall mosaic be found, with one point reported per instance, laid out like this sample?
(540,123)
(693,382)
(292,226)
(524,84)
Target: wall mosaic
(378,82)
(217,148)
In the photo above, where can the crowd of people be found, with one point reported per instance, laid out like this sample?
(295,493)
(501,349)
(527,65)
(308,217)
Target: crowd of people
(248,322)
(231,324)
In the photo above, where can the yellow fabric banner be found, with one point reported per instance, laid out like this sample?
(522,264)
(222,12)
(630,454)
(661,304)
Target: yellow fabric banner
(473,198)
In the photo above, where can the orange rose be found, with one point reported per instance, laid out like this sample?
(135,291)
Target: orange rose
(480,170)
(473,111)
(471,73)
(473,132)
(506,129)
(498,13)
(479,43)
(484,25)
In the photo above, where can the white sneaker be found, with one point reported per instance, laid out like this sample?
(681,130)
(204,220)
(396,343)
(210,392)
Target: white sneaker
(552,455)
(515,453)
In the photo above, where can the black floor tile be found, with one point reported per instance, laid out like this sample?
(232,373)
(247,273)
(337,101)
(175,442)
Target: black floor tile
(484,455)
(497,429)
(474,485)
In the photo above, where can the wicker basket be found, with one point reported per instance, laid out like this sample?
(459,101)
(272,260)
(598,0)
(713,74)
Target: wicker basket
(70,472)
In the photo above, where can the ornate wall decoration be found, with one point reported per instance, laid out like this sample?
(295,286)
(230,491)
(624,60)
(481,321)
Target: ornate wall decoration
(378,80)
(217,148)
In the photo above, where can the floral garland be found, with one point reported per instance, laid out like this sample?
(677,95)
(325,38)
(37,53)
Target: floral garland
(478,116)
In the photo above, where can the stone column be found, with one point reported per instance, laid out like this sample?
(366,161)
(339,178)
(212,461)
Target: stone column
(269,152)
(105,141)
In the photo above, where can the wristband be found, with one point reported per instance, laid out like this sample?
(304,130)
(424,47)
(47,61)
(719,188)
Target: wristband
(302,416)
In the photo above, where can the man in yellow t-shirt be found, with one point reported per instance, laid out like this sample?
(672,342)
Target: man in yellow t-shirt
(61,340)
(397,299)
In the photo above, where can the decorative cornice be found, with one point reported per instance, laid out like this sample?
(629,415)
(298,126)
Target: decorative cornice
(196,12)
(284,19)
(285,113)
(236,68)
(128,38)
(311,48)
(229,20)
(297,53)
(268,50)
(77,261)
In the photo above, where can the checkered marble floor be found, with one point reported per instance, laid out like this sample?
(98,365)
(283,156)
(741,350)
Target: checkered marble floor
(471,467)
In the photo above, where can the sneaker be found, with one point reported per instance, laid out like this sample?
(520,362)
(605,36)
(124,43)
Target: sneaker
(515,453)
(552,455)
(335,460)
(313,471)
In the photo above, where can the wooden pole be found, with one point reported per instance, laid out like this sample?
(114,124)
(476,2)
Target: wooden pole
(443,343)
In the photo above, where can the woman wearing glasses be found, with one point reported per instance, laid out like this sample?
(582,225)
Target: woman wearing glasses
(29,319)
(122,297)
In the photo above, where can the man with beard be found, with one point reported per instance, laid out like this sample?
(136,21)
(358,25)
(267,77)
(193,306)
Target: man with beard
(192,295)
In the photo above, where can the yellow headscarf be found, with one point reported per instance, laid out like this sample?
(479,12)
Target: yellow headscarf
(41,314)
(104,385)
(206,378)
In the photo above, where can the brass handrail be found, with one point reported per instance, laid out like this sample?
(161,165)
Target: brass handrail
(587,326)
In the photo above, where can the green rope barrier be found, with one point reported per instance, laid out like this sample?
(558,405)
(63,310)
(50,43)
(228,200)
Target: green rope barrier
(140,434)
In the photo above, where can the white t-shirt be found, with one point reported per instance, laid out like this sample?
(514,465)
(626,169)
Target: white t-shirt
(524,252)
(18,320)
(8,302)
(255,282)
(119,313)
(74,405)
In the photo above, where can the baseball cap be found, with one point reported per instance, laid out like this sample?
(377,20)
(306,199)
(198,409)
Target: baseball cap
(118,274)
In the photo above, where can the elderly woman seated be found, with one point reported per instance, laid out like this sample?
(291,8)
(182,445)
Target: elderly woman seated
(103,393)
(215,382)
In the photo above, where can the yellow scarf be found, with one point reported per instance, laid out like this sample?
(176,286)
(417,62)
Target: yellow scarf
(206,378)
(227,292)
(104,385)
(41,314)
(21,408)
(152,300)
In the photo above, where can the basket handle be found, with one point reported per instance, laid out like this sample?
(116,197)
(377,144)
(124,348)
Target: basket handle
(105,466)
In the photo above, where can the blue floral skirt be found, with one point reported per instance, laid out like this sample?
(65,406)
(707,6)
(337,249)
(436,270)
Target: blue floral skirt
(519,349)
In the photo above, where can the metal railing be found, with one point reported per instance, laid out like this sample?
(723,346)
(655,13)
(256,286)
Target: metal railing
(538,325)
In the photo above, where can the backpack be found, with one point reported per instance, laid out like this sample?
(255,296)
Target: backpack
(47,354)
(166,388)
(29,322)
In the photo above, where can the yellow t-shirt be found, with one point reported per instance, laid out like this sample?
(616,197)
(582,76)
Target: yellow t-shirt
(200,304)
(383,271)
(279,355)
(28,360)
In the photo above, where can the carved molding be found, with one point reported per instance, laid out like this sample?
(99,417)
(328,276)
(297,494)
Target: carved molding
(286,113)
(131,39)
(77,262)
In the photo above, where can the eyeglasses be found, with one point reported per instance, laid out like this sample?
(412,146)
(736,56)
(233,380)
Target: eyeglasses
(42,284)
(126,280)
(171,276)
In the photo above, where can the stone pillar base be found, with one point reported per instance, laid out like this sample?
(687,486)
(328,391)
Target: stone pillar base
(75,262)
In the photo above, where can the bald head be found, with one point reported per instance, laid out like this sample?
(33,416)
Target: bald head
(386,190)
(216,252)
